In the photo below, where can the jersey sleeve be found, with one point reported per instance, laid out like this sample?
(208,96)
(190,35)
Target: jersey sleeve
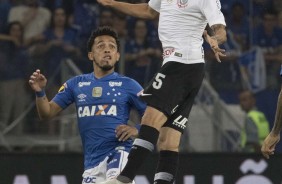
(64,97)
(212,11)
(155,4)
(135,101)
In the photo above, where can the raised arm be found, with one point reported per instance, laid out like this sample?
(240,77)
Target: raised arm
(142,10)
(46,109)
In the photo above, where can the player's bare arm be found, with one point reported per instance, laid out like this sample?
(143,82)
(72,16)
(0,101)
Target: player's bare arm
(45,108)
(142,10)
(278,117)
(211,38)
(269,144)
(218,32)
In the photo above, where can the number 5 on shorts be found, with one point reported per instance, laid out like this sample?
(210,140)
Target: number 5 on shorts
(157,84)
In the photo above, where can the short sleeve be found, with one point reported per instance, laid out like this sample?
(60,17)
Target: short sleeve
(64,97)
(155,4)
(212,11)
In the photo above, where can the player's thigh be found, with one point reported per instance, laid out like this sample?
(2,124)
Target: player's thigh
(116,163)
(179,119)
(171,85)
(169,139)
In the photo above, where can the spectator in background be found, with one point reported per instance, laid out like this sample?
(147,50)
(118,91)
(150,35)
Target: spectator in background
(239,24)
(106,17)
(280,20)
(258,8)
(59,43)
(228,71)
(277,5)
(13,71)
(269,37)
(256,126)
(120,25)
(35,20)
(142,56)
(5,6)
(85,18)
(227,5)
(67,5)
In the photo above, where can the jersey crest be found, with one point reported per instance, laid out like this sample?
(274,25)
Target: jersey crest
(182,3)
(97,92)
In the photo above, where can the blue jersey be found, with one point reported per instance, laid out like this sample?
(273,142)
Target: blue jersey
(102,105)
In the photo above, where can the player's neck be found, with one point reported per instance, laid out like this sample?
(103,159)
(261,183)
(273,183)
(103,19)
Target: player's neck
(101,73)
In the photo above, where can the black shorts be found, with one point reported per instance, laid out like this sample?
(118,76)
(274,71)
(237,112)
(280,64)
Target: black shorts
(173,90)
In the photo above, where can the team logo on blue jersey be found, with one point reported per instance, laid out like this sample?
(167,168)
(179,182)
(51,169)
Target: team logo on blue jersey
(97,92)
(112,84)
(81,84)
(62,88)
(97,110)
(81,97)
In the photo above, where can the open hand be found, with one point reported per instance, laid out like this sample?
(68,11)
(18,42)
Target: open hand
(218,52)
(37,81)
(268,146)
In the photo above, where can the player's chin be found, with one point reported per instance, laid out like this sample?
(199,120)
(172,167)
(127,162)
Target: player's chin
(107,67)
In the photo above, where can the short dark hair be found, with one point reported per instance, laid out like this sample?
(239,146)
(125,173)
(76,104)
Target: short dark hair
(101,31)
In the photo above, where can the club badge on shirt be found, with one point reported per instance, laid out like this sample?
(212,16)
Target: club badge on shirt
(62,88)
(182,3)
(97,91)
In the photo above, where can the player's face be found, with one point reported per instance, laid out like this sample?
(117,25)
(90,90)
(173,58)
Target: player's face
(104,52)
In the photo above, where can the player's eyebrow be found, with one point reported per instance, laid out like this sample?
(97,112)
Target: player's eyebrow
(113,42)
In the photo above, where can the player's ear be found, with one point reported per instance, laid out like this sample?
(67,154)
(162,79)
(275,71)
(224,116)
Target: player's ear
(90,56)
(118,56)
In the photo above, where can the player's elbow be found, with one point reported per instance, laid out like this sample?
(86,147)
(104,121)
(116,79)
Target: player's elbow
(224,38)
(44,117)
(221,38)
(150,13)
(152,16)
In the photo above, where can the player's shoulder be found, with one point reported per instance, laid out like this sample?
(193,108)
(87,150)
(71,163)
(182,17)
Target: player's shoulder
(127,80)
(79,79)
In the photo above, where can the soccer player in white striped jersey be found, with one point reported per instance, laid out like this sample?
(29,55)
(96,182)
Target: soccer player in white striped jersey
(171,93)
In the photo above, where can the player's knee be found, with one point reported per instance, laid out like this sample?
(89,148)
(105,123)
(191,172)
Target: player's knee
(154,118)
(169,139)
(163,145)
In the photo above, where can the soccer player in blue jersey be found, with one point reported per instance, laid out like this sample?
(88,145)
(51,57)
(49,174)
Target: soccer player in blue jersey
(103,101)
(273,138)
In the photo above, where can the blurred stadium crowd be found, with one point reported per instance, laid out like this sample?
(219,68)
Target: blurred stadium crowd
(43,33)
